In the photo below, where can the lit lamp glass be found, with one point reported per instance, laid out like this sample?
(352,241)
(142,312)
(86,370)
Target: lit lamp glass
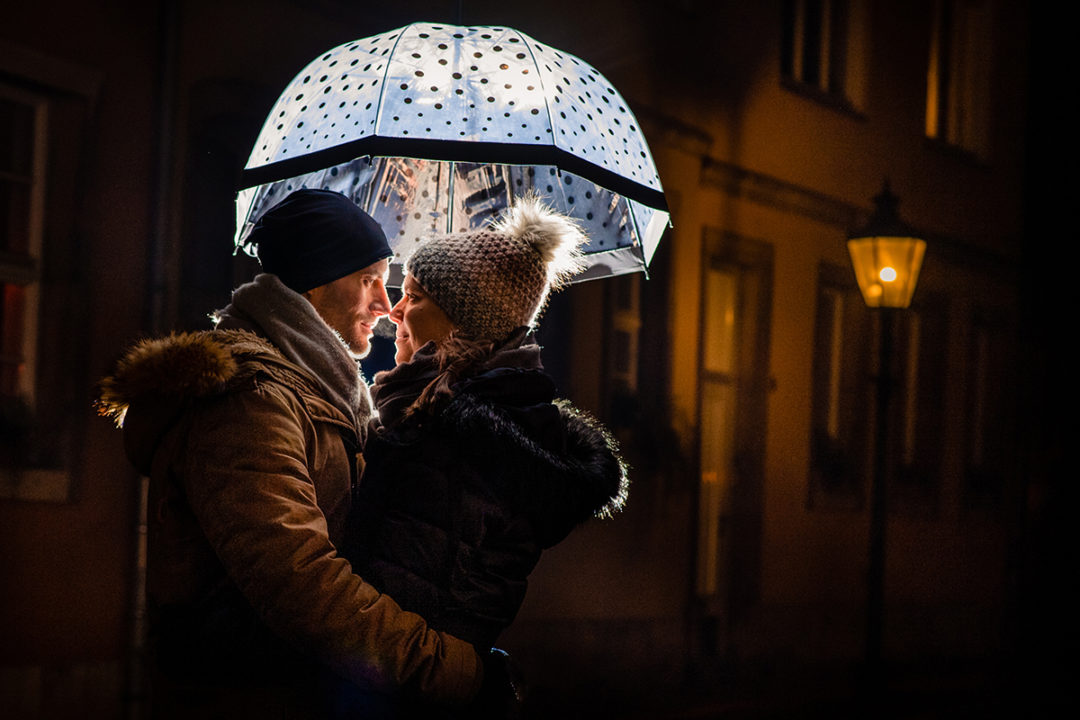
(887,256)
(887,268)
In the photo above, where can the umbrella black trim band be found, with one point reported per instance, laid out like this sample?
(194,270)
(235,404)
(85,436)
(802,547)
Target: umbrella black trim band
(455,151)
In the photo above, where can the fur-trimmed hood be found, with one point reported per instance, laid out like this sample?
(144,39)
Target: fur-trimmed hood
(156,379)
(181,365)
(585,477)
(565,464)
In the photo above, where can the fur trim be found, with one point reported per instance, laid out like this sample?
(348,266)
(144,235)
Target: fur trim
(587,431)
(177,365)
(557,238)
(588,479)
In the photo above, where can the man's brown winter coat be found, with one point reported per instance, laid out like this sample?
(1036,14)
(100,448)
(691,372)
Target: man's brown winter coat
(251,471)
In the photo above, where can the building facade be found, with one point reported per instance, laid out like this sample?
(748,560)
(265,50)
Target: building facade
(739,375)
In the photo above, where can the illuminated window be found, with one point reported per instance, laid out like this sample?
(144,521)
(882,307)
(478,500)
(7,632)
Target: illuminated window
(821,50)
(733,384)
(958,81)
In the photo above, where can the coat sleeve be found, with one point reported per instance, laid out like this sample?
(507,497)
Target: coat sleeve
(245,471)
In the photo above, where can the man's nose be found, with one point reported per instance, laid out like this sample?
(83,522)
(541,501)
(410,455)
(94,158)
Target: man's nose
(380,305)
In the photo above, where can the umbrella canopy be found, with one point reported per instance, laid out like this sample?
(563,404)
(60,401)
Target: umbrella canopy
(435,128)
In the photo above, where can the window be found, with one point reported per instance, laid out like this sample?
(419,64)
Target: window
(991,356)
(821,49)
(917,423)
(846,366)
(625,314)
(840,405)
(22,169)
(733,386)
(43,303)
(958,77)
(22,131)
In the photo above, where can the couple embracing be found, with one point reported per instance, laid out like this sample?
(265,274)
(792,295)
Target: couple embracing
(317,549)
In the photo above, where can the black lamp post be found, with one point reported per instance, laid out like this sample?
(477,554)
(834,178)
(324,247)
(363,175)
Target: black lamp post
(887,256)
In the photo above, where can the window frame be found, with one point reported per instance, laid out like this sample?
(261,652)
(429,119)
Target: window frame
(840,79)
(24,269)
(840,394)
(39,462)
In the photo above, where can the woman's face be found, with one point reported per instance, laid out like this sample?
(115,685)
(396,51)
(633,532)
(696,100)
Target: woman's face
(419,320)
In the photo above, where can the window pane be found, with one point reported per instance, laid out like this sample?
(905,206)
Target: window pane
(811,55)
(12,310)
(840,393)
(837,50)
(14,217)
(717,463)
(787,39)
(16,137)
(719,348)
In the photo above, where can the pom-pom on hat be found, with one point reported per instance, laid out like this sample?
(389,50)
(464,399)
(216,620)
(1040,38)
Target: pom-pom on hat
(490,282)
(314,237)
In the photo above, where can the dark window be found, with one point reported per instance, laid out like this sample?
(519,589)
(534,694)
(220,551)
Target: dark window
(917,426)
(814,45)
(989,409)
(841,393)
(42,302)
(958,79)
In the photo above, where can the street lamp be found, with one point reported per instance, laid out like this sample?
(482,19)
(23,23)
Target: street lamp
(887,256)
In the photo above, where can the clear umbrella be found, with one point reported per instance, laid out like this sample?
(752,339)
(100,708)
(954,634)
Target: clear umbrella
(435,128)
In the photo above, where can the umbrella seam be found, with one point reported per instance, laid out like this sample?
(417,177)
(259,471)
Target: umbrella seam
(543,86)
(386,72)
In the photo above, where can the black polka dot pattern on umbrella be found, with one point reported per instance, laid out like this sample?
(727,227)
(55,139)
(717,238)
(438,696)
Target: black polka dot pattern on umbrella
(443,82)
(437,128)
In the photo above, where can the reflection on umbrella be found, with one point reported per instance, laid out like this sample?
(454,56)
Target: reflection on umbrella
(435,128)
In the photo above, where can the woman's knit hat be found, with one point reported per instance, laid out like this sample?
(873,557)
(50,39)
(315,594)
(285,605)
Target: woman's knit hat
(490,282)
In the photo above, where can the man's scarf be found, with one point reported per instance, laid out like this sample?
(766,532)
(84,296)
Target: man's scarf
(290,322)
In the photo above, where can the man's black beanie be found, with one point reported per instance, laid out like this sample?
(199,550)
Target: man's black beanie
(314,237)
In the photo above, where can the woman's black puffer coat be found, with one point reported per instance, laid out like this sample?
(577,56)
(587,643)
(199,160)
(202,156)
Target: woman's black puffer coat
(454,510)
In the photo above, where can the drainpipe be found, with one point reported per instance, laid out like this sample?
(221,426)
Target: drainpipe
(155,319)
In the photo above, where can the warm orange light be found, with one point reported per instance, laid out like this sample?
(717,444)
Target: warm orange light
(886,255)
(887,268)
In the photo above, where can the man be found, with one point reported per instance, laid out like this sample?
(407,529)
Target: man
(250,434)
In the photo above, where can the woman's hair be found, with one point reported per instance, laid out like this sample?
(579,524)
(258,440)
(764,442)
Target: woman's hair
(456,356)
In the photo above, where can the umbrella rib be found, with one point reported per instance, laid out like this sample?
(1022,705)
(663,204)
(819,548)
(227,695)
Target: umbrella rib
(543,86)
(386,72)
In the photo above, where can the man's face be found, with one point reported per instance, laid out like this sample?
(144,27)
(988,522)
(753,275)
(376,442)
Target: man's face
(352,304)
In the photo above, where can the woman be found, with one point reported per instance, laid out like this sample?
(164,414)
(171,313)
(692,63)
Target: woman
(474,467)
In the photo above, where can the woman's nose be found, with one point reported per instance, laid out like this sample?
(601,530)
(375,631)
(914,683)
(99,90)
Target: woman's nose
(395,312)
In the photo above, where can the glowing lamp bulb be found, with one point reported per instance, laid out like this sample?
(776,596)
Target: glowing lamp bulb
(887,274)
